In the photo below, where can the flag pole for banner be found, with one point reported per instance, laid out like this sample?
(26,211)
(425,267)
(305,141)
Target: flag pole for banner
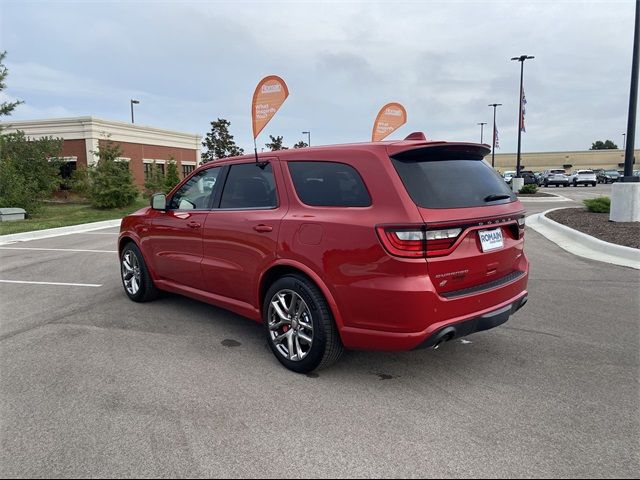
(493,150)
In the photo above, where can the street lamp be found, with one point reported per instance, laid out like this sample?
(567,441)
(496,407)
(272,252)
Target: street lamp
(132,102)
(482,124)
(308,134)
(493,149)
(520,59)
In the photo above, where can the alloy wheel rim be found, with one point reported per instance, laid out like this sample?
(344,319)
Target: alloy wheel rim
(290,325)
(131,274)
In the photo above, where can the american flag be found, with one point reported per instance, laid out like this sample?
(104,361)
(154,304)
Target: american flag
(524,102)
(496,141)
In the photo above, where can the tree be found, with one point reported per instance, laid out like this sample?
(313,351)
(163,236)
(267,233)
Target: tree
(29,170)
(154,181)
(111,181)
(5,107)
(275,144)
(172,177)
(301,144)
(606,145)
(219,142)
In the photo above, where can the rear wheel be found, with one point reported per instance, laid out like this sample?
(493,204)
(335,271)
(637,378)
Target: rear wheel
(299,325)
(136,280)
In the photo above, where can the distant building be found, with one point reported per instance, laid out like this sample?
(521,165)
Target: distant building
(141,146)
(539,161)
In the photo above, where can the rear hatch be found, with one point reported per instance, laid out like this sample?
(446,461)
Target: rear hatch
(557,175)
(473,223)
(586,176)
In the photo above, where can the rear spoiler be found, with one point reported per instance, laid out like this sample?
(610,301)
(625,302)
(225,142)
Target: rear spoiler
(439,151)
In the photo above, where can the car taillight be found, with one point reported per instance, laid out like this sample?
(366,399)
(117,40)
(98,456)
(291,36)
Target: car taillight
(417,242)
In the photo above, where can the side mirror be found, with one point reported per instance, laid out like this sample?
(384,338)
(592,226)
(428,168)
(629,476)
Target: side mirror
(159,201)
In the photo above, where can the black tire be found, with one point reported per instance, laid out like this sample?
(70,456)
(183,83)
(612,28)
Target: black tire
(575,184)
(593,184)
(146,291)
(326,347)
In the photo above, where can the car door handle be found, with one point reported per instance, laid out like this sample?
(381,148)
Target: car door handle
(193,224)
(263,228)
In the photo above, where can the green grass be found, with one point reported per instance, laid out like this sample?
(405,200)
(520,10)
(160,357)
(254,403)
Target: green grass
(55,215)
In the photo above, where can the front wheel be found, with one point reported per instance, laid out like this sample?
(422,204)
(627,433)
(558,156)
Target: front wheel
(299,325)
(136,280)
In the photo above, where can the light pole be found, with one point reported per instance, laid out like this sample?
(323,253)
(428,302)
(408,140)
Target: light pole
(493,149)
(308,134)
(482,124)
(520,59)
(132,102)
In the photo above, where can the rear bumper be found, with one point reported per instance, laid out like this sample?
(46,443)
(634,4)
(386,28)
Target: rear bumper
(477,324)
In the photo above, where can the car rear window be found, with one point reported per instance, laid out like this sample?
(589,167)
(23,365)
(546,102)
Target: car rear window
(557,171)
(451,183)
(585,171)
(328,184)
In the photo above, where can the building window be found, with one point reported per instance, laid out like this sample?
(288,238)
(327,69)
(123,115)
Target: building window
(147,171)
(187,169)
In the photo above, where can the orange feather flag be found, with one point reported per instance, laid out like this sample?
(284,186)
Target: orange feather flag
(390,117)
(268,97)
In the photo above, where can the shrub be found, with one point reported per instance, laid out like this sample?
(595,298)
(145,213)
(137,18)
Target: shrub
(29,171)
(172,177)
(598,205)
(79,181)
(154,182)
(111,181)
(530,188)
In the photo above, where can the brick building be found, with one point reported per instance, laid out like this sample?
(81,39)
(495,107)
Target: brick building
(141,146)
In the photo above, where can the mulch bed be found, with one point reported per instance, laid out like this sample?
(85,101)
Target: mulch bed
(598,225)
(537,194)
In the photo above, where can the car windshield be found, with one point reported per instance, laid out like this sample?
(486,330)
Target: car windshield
(611,172)
(557,171)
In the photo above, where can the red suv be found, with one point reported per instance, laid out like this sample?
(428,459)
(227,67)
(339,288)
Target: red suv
(377,246)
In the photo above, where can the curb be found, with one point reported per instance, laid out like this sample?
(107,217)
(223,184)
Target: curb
(56,232)
(583,245)
(555,198)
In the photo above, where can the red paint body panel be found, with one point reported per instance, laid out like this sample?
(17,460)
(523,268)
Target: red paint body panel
(379,301)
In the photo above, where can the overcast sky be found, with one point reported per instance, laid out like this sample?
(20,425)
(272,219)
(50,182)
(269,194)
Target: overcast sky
(190,62)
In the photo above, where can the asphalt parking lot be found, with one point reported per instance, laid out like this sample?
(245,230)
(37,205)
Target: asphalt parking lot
(94,385)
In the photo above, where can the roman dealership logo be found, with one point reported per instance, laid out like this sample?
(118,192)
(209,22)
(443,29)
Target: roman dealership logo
(393,112)
(271,88)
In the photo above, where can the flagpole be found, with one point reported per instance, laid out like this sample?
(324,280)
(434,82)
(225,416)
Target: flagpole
(520,59)
(493,150)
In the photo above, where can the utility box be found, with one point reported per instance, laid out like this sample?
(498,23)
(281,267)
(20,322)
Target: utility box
(12,214)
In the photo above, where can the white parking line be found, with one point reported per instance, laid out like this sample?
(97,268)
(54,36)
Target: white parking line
(54,283)
(58,250)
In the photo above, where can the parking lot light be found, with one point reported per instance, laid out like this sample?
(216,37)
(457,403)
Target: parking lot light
(493,148)
(482,124)
(520,59)
(132,102)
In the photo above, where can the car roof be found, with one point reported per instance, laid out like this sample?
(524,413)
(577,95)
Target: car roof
(392,147)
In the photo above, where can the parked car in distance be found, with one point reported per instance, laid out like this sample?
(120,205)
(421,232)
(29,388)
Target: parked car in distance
(609,176)
(528,177)
(555,177)
(371,246)
(583,177)
(538,176)
(508,175)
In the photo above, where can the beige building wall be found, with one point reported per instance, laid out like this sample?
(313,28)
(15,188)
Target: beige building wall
(537,162)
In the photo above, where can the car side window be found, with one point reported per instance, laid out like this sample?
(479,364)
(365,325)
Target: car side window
(196,193)
(328,184)
(249,186)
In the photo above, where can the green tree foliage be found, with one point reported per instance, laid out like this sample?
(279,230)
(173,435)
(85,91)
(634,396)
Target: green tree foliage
(5,107)
(219,142)
(79,181)
(111,181)
(172,177)
(29,173)
(301,144)
(606,145)
(154,183)
(275,144)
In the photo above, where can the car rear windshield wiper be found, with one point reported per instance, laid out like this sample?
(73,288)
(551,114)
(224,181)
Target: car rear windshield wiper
(495,196)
